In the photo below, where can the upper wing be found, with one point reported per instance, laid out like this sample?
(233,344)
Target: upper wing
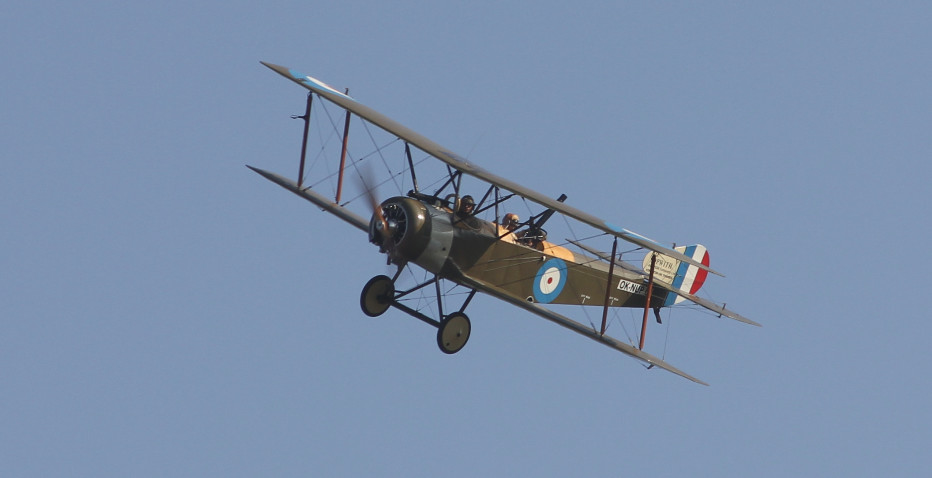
(575,326)
(458,162)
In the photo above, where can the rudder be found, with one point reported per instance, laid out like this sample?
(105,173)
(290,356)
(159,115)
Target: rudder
(681,275)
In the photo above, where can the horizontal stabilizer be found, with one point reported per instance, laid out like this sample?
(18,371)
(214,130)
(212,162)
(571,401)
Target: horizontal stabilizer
(720,310)
(605,256)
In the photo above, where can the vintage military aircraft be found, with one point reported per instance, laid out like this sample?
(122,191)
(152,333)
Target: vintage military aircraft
(441,230)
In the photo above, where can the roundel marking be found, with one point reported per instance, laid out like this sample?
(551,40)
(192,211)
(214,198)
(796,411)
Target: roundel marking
(550,279)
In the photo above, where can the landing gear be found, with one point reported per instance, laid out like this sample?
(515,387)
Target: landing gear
(453,333)
(377,296)
(452,330)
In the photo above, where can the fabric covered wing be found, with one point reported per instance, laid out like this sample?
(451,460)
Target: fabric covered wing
(575,327)
(317,199)
(458,162)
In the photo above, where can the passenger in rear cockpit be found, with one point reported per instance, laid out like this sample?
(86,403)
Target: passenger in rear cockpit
(511,221)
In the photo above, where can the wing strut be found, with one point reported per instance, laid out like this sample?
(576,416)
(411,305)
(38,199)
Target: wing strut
(608,286)
(307,125)
(343,154)
(650,292)
(570,324)
(411,167)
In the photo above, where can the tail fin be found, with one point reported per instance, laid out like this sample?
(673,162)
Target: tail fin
(681,275)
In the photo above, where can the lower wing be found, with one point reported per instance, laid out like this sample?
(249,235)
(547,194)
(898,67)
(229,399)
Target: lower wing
(577,327)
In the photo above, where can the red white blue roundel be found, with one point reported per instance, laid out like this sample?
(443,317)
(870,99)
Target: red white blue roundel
(550,279)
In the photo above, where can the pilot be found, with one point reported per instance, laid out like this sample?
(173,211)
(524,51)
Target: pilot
(467,206)
(511,221)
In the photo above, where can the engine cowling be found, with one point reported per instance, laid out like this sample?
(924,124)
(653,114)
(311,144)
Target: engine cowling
(403,230)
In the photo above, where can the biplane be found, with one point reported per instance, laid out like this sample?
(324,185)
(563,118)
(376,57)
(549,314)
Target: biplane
(462,246)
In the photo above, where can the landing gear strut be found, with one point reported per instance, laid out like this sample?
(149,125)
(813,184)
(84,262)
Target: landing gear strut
(452,329)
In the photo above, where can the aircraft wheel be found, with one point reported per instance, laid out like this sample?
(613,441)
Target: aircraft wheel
(377,296)
(453,333)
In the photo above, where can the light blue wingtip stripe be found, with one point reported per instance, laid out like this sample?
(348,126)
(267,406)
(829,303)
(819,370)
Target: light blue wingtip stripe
(314,83)
(297,74)
(631,233)
(623,231)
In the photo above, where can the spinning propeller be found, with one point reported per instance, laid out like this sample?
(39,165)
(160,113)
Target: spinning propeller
(389,220)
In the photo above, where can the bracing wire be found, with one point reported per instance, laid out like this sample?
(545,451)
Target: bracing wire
(378,150)
(666,338)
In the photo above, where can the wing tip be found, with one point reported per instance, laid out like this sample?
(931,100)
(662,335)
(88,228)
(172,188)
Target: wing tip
(735,316)
(284,71)
(258,170)
(273,66)
(670,368)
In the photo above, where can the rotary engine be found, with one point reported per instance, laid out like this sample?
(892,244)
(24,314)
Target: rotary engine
(409,230)
(401,227)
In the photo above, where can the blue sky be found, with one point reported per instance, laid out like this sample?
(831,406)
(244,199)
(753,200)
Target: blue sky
(166,312)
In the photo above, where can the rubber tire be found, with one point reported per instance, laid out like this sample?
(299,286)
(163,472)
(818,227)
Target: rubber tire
(377,296)
(453,333)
